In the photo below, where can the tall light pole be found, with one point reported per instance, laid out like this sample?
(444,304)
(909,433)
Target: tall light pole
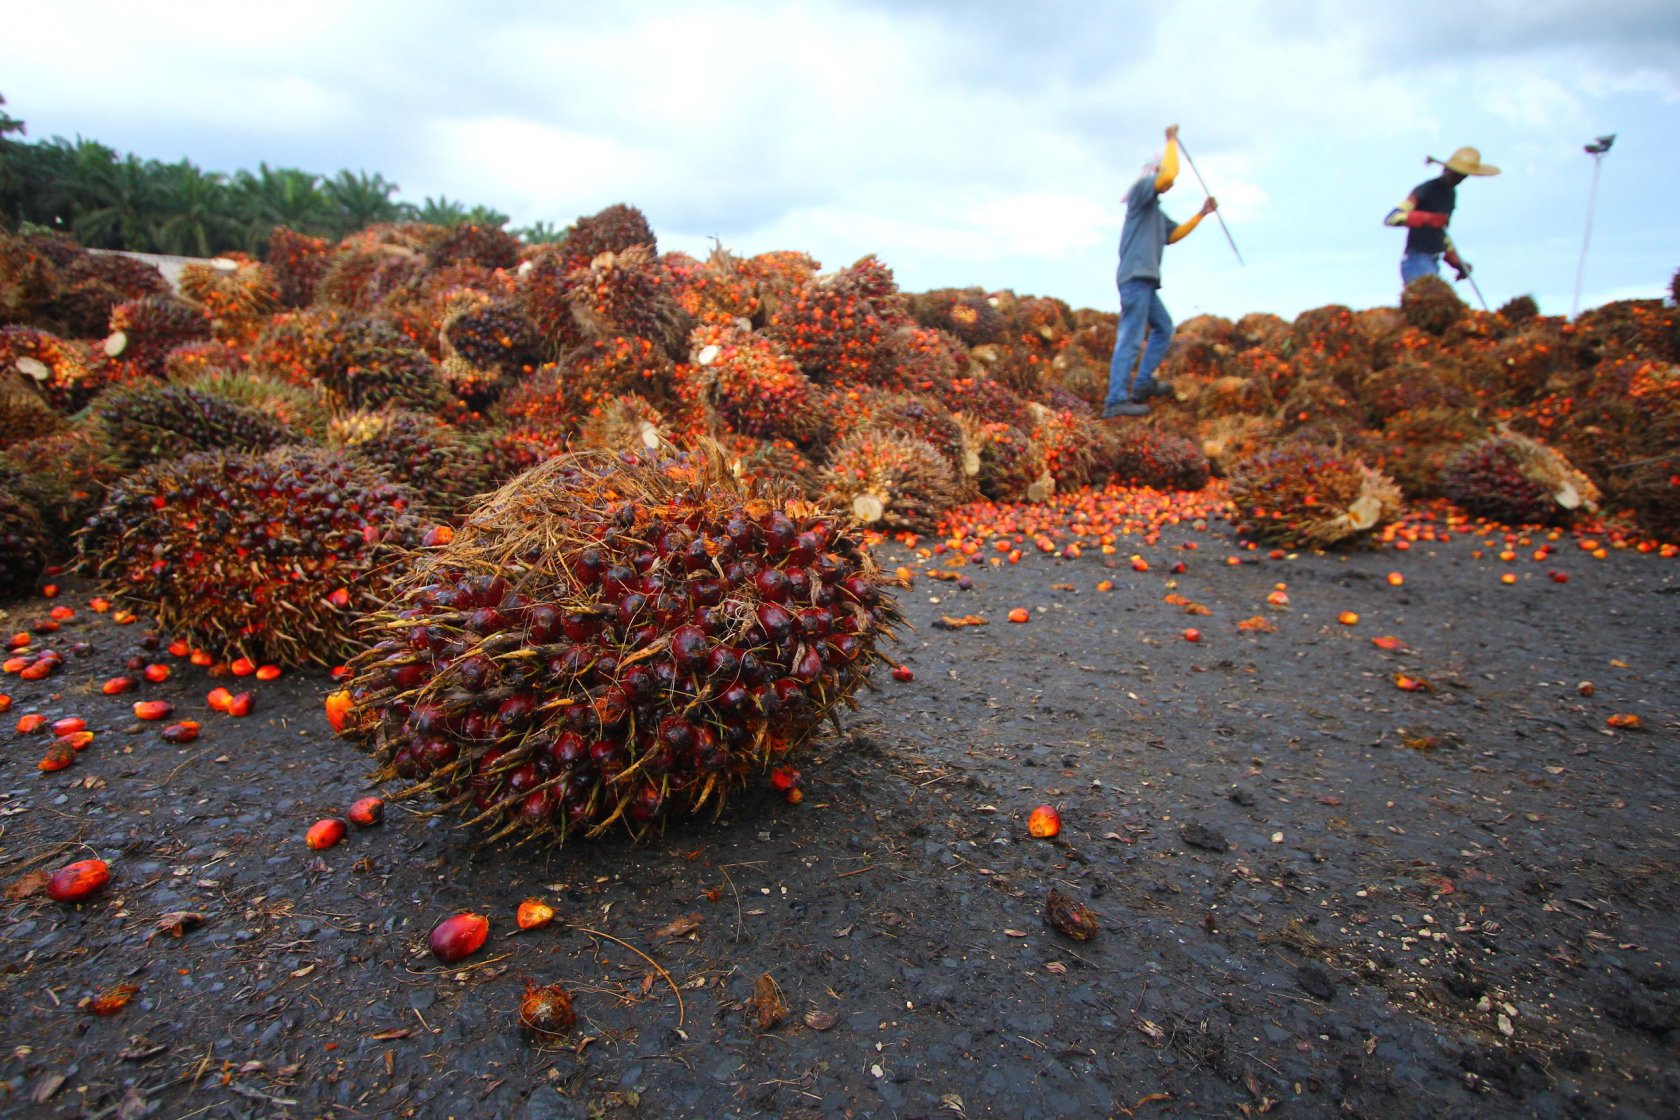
(1596,150)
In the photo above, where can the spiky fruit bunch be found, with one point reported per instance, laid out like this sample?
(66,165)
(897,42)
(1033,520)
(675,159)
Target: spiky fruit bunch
(1136,456)
(238,295)
(363,275)
(299,409)
(613,230)
(29,279)
(753,383)
(91,284)
(146,421)
(831,326)
(1227,396)
(295,345)
(1304,495)
(1430,304)
(716,290)
(764,462)
(889,479)
(627,293)
(299,261)
(25,413)
(442,466)
(1328,343)
(983,397)
(1229,440)
(58,368)
(1068,441)
(1656,386)
(624,422)
(1000,458)
(918,359)
(610,642)
(470,242)
(493,335)
(920,416)
(511,450)
(23,535)
(1519,309)
(205,358)
(145,330)
(966,313)
(1426,380)
(541,402)
(271,557)
(1321,403)
(68,472)
(1520,481)
(1651,486)
(370,364)
(874,282)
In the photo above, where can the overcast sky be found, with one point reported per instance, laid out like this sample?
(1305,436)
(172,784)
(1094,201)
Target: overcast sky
(964,142)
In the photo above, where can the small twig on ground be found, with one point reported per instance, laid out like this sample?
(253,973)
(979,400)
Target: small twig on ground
(681,1011)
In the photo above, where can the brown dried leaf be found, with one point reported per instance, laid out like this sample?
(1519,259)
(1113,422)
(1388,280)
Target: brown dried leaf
(390,1033)
(178,922)
(949,622)
(821,1020)
(110,1001)
(768,1006)
(32,882)
(1069,916)
(680,927)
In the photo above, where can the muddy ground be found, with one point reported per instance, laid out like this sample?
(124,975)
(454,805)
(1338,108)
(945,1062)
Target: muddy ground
(1319,894)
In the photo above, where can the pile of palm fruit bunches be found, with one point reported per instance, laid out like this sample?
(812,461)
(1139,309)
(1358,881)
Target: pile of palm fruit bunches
(251,456)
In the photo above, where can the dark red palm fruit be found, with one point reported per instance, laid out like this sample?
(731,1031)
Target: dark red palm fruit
(324,833)
(775,620)
(771,584)
(59,755)
(690,648)
(153,709)
(367,812)
(75,881)
(542,624)
(183,731)
(240,705)
(547,1011)
(459,936)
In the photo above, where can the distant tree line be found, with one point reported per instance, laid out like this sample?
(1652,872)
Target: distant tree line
(106,201)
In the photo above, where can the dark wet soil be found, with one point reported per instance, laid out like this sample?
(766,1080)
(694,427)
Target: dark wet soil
(1319,894)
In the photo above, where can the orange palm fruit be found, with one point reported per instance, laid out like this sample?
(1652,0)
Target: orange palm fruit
(1044,822)
(323,834)
(75,881)
(459,936)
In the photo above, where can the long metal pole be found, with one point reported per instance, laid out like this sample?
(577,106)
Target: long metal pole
(1592,202)
(1209,193)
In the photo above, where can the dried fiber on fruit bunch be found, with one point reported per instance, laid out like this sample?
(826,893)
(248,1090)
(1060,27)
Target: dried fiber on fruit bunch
(443,466)
(511,450)
(299,261)
(146,421)
(624,423)
(612,230)
(831,326)
(1134,456)
(370,364)
(238,300)
(145,330)
(1003,462)
(889,480)
(1228,440)
(23,535)
(766,461)
(1519,481)
(965,313)
(1419,443)
(751,381)
(271,557)
(57,368)
(472,243)
(365,275)
(1305,495)
(24,412)
(917,415)
(68,471)
(1518,310)
(1430,304)
(1068,441)
(616,642)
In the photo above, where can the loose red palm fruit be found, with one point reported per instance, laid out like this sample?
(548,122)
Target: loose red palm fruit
(459,936)
(76,740)
(31,723)
(240,705)
(117,685)
(534,914)
(69,725)
(267,672)
(547,1011)
(243,667)
(219,699)
(1044,822)
(75,881)
(58,756)
(323,834)
(338,707)
(153,709)
(184,731)
(367,812)
(157,673)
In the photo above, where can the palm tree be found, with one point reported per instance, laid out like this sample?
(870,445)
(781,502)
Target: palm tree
(360,200)
(110,203)
(198,218)
(284,197)
(541,233)
(442,211)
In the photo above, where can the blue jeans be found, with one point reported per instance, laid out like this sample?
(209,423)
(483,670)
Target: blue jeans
(1413,265)
(1140,307)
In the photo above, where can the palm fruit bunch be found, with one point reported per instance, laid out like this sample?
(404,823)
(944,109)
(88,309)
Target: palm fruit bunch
(1516,480)
(1420,442)
(485,246)
(29,279)
(1228,440)
(273,557)
(1226,396)
(492,335)
(1628,327)
(920,416)
(984,397)
(145,330)
(146,421)
(1425,379)
(91,284)
(1518,310)
(1430,304)
(1003,462)
(68,472)
(627,293)
(369,364)
(967,314)
(24,412)
(1327,343)
(889,480)
(513,450)
(204,358)
(1650,484)
(716,290)
(58,368)
(298,408)
(916,359)
(444,467)
(624,422)
(764,461)
(614,642)
(831,326)
(1320,404)
(1304,495)
(238,296)
(613,230)
(364,274)
(1134,456)
(1020,369)
(541,405)
(1068,441)
(776,276)
(613,366)
(751,381)
(23,535)
(299,261)
(295,345)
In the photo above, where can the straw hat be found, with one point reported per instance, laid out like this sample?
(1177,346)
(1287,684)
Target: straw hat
(1468,161)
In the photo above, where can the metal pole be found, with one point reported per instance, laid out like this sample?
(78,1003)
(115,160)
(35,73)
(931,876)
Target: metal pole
(1209,194)
(1596,150)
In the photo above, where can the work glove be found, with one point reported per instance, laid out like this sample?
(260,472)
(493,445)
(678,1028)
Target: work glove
(1463,268)
(1426,219)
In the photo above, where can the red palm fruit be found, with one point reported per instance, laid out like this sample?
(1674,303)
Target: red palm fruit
(5,702)
(324,833)
(367,812)
(338,708)
(268,672)
(242,667)
(219,699)
(68,725)
(534,914)
(157,673)
(1044,822)
(75,881)
(153,709)
(180,647)
(117,685)
(77,740)
(58,756)
(459,936)
(31,723)
(184,731)
(240,705)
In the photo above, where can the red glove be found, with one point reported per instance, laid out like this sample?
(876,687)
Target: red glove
(1416,219)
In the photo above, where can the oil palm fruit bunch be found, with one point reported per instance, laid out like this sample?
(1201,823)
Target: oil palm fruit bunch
(369,364)
(299,261)
(511,450)
(24,412)
(624,422)
(1430,304)
(146,421)
(917,359)
(58,368)
(920,416)
(1518,310)
(1420,443)
(1304,495)
(608,367)
(442,465)
(715,290)
(301,409)
(29,279)
(1517,480)
(831,326)
(1327,343)
(541,404)
(91,284)
(364,274)
(1068,441)
(1002,460)
(204,358)
(145,330)
(965,313)
(295,345)
(980,395)
(764,461)
(68,473)
(1228,440)
(889,480)
(23,535)
(611,642)
(493,335)
(627,292)
(1134,456)
(272,557)
(237,293)
(473,243)
(753,383)
(613,230)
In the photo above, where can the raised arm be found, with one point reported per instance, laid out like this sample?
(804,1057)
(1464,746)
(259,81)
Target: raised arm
(1408,215)
(1168,171)
(1182,230)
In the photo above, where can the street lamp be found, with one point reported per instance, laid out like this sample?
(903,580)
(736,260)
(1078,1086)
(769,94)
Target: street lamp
(1596,149)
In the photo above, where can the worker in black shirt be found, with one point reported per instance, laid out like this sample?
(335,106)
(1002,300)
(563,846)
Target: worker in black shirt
(1425,214)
